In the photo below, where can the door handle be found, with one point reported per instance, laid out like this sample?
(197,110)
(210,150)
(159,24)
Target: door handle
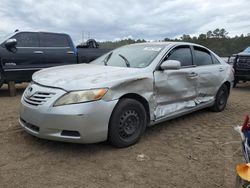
(192,75)
(38,52)
(70,52)
(221,69)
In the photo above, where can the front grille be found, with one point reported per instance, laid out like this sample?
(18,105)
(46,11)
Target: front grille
(38,98)
(243,62)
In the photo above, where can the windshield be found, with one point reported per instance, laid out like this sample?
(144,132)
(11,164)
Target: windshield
(247,49)
(135,56)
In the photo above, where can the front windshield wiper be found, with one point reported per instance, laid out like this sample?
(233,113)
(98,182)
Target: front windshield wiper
(125,59)
(106,59)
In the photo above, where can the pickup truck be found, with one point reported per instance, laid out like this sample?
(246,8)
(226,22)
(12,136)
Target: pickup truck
(241,65)
(23,53)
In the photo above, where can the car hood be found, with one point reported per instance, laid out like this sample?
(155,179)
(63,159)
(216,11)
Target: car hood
(84,76)
(244,54)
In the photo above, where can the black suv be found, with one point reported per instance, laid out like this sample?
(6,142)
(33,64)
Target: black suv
(241,65)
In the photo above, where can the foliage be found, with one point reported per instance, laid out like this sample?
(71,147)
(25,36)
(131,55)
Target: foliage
(116,44)
(217,40)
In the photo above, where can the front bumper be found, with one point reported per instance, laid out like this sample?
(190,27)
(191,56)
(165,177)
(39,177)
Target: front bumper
(79,123)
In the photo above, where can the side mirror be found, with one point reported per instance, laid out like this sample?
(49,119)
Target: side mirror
(171,64)
(10,44)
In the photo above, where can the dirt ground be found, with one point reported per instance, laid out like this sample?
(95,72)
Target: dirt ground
(197,150)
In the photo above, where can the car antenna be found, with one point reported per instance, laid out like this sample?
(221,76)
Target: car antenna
(16,30)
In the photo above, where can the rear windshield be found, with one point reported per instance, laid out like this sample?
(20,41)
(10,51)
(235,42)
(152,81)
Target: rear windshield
(135,56)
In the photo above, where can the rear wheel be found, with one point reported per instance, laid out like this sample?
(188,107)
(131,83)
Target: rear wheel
(127,123)
(221,99)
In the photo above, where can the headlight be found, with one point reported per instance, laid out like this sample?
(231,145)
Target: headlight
(75,97)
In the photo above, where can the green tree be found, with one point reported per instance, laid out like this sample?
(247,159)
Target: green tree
(223,33)
(209,34)
(216,33)
(185,37)
(202,36)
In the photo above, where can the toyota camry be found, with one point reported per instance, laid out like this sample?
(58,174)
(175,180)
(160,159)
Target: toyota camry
(118,95)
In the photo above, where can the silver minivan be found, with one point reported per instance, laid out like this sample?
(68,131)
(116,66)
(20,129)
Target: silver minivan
(118,95)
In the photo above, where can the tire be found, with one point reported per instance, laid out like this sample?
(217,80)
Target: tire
(221,99)
(127,123)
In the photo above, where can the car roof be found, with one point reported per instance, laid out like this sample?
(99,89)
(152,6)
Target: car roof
(45,32)
(167,43)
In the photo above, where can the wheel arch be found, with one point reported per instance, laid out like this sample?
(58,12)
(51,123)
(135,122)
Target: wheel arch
(115,139)
(140,99)
(227,83)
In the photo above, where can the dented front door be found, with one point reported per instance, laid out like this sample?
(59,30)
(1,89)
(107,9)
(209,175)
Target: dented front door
(175,91)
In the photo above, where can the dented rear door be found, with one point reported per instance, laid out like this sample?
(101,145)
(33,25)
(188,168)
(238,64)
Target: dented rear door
(211,75)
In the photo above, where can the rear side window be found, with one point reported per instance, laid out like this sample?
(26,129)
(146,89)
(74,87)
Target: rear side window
(27,39)
(202,56)
(182,54)
(53,40)
(215,60)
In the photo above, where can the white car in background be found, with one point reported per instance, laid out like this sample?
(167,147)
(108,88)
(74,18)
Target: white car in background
(118,95)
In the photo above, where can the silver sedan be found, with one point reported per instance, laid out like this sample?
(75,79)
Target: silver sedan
(118,95)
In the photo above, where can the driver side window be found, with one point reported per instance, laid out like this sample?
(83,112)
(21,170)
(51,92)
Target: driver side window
(182,54)
(27,39)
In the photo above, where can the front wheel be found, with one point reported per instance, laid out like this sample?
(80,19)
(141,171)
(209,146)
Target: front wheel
(127,123)
(221,99)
